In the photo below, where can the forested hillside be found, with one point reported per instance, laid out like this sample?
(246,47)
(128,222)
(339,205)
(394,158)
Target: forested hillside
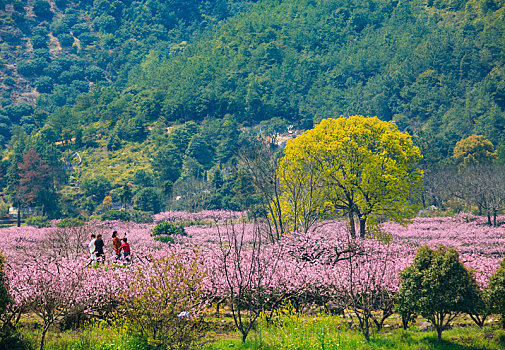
(156,97)
(435,68)
(56,50)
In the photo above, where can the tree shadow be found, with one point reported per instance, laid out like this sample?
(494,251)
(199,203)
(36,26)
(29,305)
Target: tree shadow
(428,340)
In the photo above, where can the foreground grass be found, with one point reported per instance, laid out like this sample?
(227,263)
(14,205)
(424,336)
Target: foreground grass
(290,332)
(330,332)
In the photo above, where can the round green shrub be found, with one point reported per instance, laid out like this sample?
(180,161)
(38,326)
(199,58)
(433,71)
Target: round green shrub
(69,222)
(168,228)
(164,239)
(437,286)
(116,215)
(496,290)
(142,217)
(66,40)
(38,221)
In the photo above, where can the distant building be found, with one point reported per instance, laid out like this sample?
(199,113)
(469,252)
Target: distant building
(25,212)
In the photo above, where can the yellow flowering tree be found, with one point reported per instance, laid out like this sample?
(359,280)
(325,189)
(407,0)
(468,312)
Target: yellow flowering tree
(107,202)
(363,167)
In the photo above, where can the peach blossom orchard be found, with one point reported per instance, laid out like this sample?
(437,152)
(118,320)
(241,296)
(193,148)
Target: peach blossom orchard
(51,265)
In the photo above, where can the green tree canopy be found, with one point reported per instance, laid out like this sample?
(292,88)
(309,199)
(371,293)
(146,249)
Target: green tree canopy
(167,163)
(148,199)
(98,187)
(199,150)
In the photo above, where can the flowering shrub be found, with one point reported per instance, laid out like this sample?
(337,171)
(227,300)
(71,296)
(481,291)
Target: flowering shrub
(164,300)
(49,288)
(205,215)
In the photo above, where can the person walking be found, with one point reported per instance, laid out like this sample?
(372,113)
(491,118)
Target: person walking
(125,247)
(91,247)
(116,243)
(100,255)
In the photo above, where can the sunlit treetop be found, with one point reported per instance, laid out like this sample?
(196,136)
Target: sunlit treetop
(475,149)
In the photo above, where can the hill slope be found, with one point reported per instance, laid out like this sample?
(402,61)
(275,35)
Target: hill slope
(54,50)
(435,67)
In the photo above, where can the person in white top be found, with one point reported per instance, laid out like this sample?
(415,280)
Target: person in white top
(91,246)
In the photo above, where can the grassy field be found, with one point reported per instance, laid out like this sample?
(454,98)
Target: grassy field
(291,332)
(331,332)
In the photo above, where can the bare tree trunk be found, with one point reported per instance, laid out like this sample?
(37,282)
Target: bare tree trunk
(352,225)
(479,319)
(366,332)
(43,338)
(19,214)
(405,322)
(362,227)
(439,333)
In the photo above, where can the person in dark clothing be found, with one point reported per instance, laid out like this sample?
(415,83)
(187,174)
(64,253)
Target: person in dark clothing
(100,255)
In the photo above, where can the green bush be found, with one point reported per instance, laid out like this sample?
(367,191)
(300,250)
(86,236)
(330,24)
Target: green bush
(116,215)
(69,222)
(148,199)
(9,81)
(42,9)
(44,84)
(11,338)
(499,337)
(164,239)
(38,221)
(168,228)
(142,217)
(438,286)
(496,291)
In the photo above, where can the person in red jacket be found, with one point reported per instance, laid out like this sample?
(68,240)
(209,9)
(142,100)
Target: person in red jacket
(125,247)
